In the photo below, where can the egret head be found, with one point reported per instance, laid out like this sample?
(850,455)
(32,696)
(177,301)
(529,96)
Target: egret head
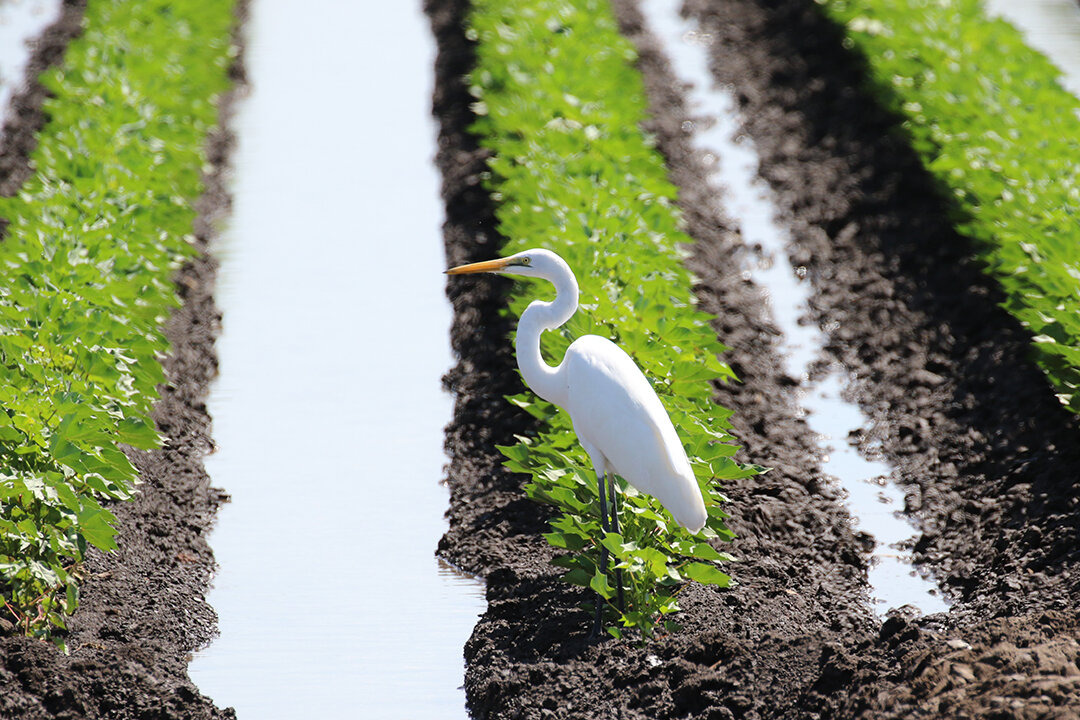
(531,263)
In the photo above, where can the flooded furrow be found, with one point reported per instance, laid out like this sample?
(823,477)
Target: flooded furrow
(733,173)
(329,412)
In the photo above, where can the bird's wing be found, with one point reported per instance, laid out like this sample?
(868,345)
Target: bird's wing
(615,409)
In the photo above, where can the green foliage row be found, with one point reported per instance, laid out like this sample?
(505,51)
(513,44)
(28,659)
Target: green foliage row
(991,122)
(560,104)
(86,262)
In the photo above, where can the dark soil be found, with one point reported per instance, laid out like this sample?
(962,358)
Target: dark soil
(143,608)
(984,452)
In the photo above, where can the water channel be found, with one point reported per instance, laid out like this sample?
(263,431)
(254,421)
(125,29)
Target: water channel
(743,197)
(1051,26)
(328,412)
(364,622)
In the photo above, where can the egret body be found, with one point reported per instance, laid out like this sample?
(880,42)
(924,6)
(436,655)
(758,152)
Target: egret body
(617,416)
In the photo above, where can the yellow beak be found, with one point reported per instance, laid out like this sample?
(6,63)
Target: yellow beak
(486,266)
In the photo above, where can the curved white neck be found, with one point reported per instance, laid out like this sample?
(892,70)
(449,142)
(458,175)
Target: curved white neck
(544,380)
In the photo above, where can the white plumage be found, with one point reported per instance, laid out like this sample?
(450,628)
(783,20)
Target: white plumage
(624,428)
(617,416)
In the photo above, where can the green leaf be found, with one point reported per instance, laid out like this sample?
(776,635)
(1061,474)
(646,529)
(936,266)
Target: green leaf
(702,551)
(94,524)
(579,577)
(705,574)
(67,496)
(11,435)
(654,559)
(138,433)
(518,453)
(567,541)
(614,544)
(599,584)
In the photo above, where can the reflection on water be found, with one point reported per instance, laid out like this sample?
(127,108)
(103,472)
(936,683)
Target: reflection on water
(872,500)
(329,412)
(20,22)
(454,577)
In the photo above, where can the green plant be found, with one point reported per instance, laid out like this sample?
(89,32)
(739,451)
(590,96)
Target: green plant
(561,106)
(990,121)
(85,283)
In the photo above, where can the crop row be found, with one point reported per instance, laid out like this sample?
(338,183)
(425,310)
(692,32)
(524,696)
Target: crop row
(992,123)
(92,241)
(560,105)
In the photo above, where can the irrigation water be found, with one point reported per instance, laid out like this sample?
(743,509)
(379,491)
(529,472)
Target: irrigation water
(328,412)
(872,499)
(1050,26)
(20,22)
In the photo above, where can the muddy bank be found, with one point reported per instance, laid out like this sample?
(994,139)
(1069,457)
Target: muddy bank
(142,608)
(981,446)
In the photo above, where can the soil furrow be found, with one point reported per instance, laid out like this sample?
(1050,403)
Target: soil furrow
(982,445)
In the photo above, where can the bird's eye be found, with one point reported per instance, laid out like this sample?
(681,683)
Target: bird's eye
(525,261)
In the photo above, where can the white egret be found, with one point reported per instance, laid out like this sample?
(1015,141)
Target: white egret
(617,416)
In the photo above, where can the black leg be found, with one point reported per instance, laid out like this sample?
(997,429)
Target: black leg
(598,626)
(615,529)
